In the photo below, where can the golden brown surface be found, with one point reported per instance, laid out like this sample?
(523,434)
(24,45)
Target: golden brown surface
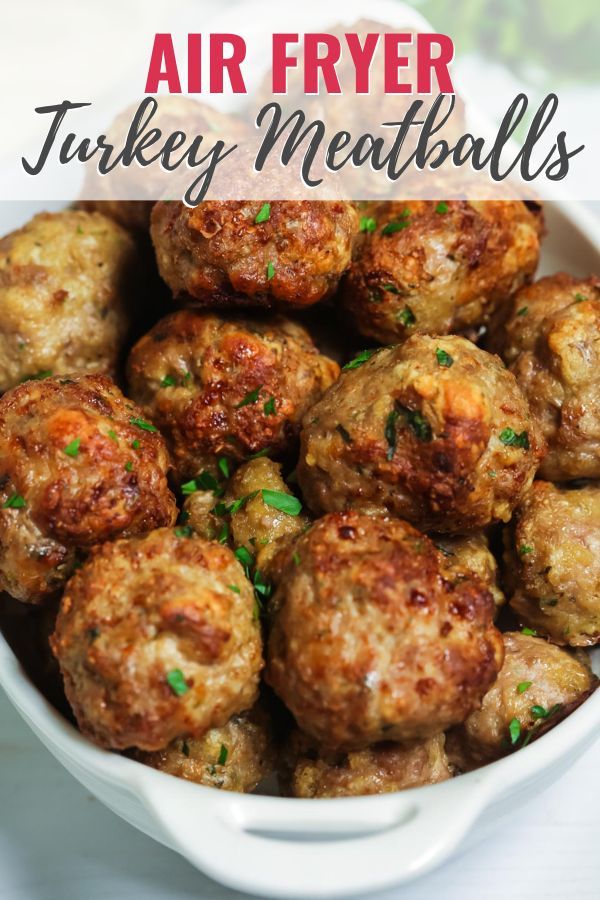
(440,272)
(142,609)
(537,685)
(226,386)
(65,283)
(553,558)
(552,343)
(311,773)
(235,757)
(472,552)
(198,514)
(102,488)
(262,529)
(375,637)
(450,448)
(216,250)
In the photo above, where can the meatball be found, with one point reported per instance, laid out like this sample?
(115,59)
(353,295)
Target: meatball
(439,267)
(537,685)
(235,757)
(219,254)
(383,768)
(375,637)
(65,279)
(554,558)
(157,640)
(226,386)
(472,552)
(131,214)
(552,342)
(264,524)
(78,465)
(199,514)
(435,431)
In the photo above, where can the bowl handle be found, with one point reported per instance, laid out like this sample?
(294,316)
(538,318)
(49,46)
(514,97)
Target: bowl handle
(289,848)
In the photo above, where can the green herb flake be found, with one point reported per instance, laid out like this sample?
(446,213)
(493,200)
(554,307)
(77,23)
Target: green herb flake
(263,215)
(243,555)
(79,229)
(72,449)
(514,730)
(391,289)
(269,407)
(417,423)
(113,436)
(361,358)
(206,481)
(390,432)
(579,298)
(15,501)
(141,423)
(223,754)
(190,487)
(177,682)
(444,359)
(234,588)
(135,445)
(129,466)
(524,549)
(285,503)
(511,439)
(184,531)
(523,311)
(296,558)
(251,397)
(367,223)
(441,208)
(529,631)
(270,271)
(539,712)
(223,465)
(397,225)
(260,453)
(406,317)
(523,686)
(168,381)
(344,433)
(224,533)
(37,376)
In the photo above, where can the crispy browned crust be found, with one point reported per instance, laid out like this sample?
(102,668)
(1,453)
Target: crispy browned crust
(141,608)
(216,251)
(551,340)
(108,488)
(450,270)
(203,413)
(375,637)
(447,470)
(554,565)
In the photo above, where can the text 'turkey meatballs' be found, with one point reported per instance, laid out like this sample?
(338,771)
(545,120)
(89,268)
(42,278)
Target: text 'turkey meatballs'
(158,640)
(375,637)
(78,465)
(435,431)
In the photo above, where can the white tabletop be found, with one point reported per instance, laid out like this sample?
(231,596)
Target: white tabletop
(58,843)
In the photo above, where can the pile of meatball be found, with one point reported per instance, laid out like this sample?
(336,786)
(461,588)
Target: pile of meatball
(254,554)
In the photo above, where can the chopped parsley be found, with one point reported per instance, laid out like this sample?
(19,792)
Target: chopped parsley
(444,359)
(415,421)
(398,224)
(539,712)
(579,298)
(285,503)
(524,549)
(141,423)
(234,588)
(514,730)
(367,223)
(113,436)
(135,445)
(523,686)
(391,289)
(529,631)
(184,531)
(269,407)
(359,359)
(270,271)
(223,464)
(406,317)
(15,501)
(251,397)
(72,449)
(168,381)
(177,682)
(243,555)
(441,208)
(296,558)
(129,466)
(523,311)
(345,435)
(511,439)
(223,754)
(263,215)
(37,376)
(264,452)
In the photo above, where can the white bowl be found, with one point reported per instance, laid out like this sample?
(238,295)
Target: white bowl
(327,848)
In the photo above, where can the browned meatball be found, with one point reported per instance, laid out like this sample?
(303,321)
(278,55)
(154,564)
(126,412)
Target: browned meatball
(78,465)
(309,771)
(157,640)
(553,559)
(132,214)
(435,431)
(438,267)
(472,552)
(233,387)
(375,637)
(537,685)
(235,757)
(65,279)
(219,254)
(552,343)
